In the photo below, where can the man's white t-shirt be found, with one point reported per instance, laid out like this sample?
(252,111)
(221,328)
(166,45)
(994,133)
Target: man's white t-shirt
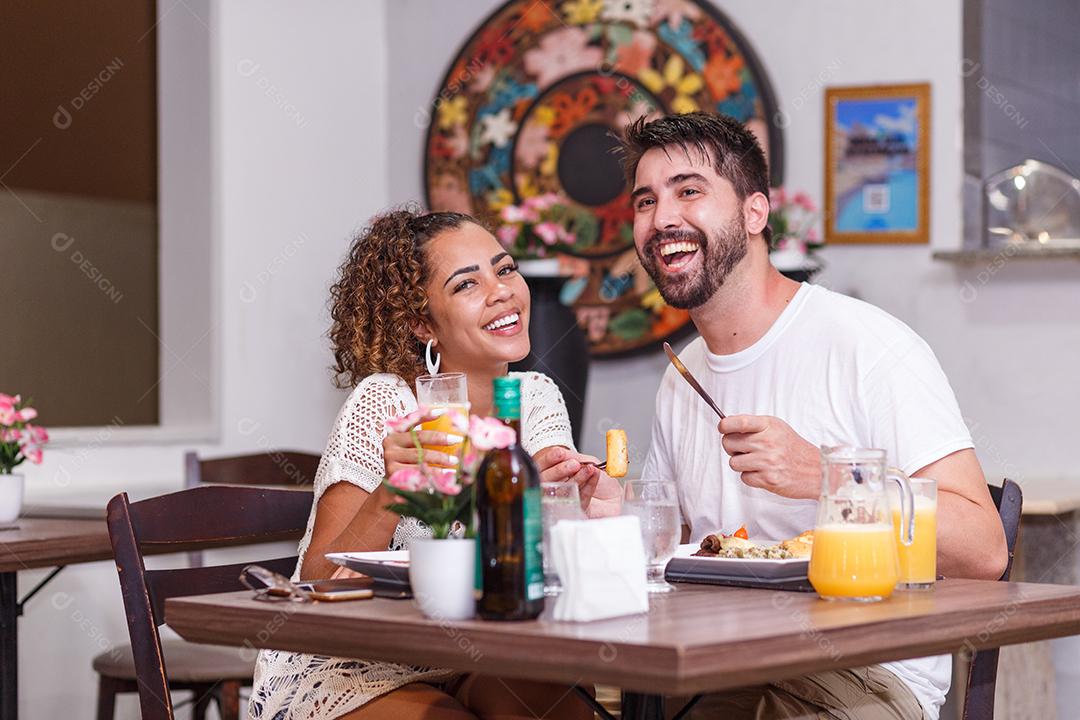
(840,372)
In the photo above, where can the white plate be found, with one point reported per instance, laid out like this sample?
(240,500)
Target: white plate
(749,568)
(390,565)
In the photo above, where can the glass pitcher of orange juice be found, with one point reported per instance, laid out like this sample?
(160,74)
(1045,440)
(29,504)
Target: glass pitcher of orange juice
(449,394)
(854,555)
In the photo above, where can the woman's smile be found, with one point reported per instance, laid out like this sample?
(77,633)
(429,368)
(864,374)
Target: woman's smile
(506,324)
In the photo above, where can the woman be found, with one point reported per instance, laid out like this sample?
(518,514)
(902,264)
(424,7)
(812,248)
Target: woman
(411,280)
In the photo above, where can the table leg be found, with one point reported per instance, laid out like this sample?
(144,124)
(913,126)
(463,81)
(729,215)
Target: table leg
(9,647)
(638,706)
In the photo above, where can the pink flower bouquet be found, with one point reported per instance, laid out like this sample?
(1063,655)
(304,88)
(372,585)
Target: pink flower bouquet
(442,497)
(793,220)
(19,439)
(540,226)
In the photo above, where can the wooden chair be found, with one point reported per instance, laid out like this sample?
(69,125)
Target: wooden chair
(287,468)
(982,668)
(202,517)
(273,467)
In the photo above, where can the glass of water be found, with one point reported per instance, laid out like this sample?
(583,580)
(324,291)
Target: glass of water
(558,501)
(656,505)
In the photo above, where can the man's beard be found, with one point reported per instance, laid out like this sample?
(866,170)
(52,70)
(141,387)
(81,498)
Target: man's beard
(719,256)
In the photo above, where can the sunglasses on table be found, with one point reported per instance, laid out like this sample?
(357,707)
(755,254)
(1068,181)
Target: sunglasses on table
(274,587)
(270,586)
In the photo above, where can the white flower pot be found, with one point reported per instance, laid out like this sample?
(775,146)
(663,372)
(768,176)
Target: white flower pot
(11,497)
(540,267)
(443,577)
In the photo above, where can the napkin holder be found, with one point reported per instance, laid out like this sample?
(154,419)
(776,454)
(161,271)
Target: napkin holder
(601,565)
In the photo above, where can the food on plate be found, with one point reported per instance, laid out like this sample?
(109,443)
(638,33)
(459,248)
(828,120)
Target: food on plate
(618,454)
(800,545)
(737,545)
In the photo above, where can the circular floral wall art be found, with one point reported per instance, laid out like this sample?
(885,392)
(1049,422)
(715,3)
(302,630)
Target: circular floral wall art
(532,104)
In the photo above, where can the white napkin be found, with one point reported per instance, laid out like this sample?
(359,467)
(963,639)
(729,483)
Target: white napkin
(601,564)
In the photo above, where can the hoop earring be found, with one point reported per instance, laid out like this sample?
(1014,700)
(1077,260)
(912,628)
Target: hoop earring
(432,367)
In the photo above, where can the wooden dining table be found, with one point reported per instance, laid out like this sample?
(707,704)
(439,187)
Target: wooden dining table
(69,535)
(696,640)
(31,543)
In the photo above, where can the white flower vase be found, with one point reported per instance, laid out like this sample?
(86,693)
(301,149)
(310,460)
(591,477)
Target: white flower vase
(11,497)
(790,254)
(540,267)
(443,577)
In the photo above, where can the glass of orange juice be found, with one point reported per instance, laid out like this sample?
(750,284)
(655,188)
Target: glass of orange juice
(854,555)
(918,561)
(447,393)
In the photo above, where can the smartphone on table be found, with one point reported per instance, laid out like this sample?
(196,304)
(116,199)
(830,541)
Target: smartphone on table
(339,589)
(360,588)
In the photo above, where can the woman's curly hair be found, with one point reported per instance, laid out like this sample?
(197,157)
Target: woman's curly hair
(379,298)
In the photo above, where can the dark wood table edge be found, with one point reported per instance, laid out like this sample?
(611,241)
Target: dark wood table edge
(680,671)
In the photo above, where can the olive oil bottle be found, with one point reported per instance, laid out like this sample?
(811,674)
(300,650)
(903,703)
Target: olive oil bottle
(510,529)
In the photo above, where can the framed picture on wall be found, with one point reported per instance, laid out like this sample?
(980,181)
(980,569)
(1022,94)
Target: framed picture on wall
(877,161)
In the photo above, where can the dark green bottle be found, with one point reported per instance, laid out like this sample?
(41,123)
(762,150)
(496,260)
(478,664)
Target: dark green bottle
(510,530)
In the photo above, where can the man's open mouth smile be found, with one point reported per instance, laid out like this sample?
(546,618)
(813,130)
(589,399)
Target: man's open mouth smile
(677,254)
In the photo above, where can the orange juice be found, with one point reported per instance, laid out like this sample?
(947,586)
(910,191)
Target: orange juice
(444,423)
(855,561)
(918,561)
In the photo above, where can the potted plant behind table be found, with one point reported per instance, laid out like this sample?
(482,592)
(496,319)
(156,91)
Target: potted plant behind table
(793,220)
(19,441)
(442,568)
(541,233)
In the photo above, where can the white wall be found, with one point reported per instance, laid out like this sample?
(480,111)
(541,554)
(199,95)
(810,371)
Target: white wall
(1010,352)
(314,108)
(298,135)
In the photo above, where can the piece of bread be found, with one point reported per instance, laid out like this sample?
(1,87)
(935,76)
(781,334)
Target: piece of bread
(797,548)
(618,454)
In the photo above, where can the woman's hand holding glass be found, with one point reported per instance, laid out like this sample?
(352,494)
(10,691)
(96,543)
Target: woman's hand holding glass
(400,451)
(446,395)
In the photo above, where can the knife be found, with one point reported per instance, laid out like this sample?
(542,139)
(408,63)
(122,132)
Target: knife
(690,379)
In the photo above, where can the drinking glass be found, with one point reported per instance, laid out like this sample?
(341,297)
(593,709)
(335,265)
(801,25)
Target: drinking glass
(448,392)
(656,505)
(558,501)
(918,561)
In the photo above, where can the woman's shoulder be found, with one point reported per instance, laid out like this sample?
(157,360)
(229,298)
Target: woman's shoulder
(382,390)
(538,385)
(531,378)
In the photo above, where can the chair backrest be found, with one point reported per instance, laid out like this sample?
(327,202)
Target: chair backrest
(272,467)
(202,517)
(1009,500)
(982,667)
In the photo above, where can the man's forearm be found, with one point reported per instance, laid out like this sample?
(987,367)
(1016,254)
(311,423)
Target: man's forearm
(971,541)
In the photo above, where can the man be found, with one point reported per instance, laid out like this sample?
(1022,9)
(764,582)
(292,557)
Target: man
(796,367)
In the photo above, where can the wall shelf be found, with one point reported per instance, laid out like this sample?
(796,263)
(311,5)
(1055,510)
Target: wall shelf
(1008,251)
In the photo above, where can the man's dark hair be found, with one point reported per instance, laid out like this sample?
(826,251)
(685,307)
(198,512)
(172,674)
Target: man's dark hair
(734,150)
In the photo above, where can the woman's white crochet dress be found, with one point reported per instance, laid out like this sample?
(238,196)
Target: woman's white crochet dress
(298,686)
